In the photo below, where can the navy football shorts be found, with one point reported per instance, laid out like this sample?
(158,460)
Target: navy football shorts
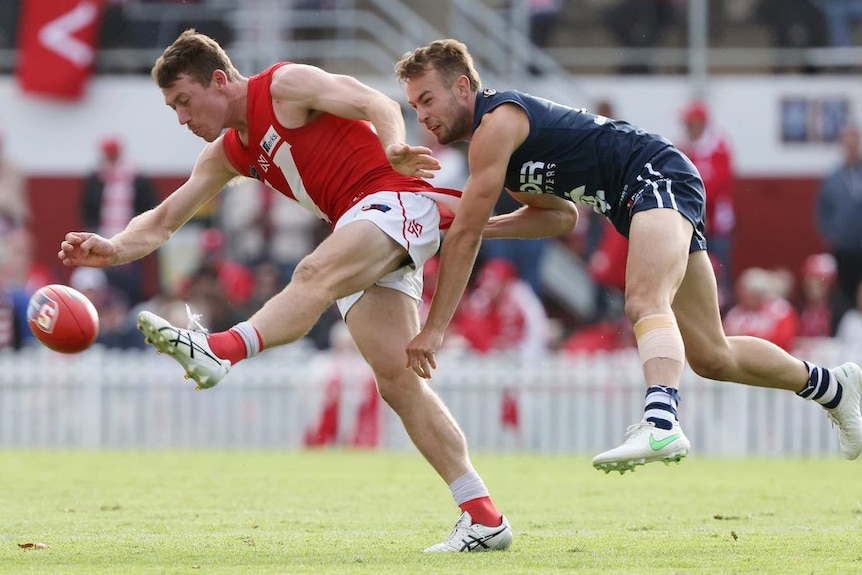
(668,180)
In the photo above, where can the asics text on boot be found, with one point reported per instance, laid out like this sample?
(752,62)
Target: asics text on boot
(189,347)
(644,443)
(468,536)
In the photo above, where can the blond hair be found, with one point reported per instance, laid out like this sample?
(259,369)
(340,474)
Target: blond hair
(449,57)
(195,55)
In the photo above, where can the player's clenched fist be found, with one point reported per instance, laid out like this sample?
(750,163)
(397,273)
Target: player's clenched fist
(86,249)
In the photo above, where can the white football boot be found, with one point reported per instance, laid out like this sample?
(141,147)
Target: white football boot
(644,443)
(846,415)
(468,536)
(188,346)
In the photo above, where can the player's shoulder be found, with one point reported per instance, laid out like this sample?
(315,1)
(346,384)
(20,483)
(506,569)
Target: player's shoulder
(293,73)
(501,116)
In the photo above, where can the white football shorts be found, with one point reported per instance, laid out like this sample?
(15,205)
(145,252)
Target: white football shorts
(409,218)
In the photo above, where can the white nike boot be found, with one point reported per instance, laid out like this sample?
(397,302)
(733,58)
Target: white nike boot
(644,443)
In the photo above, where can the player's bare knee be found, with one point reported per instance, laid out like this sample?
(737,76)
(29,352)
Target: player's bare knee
(398,392)
(638,306)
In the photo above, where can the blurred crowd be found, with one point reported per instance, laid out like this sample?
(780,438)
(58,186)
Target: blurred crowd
(243,248)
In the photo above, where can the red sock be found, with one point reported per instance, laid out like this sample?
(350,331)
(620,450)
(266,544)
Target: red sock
(483,511)
(228,345)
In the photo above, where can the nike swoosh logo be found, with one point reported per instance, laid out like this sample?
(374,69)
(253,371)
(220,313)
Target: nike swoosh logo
(658,444)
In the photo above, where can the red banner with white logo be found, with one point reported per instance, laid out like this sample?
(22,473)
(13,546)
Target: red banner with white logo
(57,46)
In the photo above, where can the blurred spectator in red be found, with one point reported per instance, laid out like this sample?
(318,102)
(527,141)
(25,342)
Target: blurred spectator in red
(816,287)
(607,263)
(503,312)
(761,310)
(236,279)
(710,151)
(610,334)
(220,288)
(113,193)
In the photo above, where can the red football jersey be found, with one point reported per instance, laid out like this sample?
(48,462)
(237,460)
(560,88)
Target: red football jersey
(326,165)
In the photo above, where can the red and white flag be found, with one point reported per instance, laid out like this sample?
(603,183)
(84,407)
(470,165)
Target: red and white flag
(57,46)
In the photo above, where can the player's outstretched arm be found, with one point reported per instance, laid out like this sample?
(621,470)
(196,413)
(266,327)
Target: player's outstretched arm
(146,232)
(541,216)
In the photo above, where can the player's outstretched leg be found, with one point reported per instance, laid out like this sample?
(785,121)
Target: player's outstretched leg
(658,437)
(188,346)
(468,536)
(847,415)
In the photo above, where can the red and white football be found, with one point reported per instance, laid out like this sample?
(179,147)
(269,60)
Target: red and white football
(62,318)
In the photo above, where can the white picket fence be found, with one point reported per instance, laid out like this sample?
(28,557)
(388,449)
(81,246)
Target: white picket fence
(138,399)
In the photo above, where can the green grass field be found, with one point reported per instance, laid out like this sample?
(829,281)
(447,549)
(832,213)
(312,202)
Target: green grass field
(370,512)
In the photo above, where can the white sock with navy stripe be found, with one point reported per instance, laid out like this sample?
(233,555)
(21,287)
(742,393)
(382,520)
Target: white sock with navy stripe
(821,387)
(661,406)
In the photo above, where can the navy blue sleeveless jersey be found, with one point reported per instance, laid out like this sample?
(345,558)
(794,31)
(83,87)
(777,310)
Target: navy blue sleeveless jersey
(608,164)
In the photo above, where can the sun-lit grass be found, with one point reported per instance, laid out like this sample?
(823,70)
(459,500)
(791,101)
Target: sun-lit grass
(369,512)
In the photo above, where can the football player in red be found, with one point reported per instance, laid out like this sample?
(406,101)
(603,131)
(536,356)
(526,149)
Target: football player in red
(336,147)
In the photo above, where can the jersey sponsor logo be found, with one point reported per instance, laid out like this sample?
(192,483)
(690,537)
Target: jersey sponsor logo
(264,163)
(270,140)
(537,177)
(488,92)
(596,200)
(379,207)
(252,171)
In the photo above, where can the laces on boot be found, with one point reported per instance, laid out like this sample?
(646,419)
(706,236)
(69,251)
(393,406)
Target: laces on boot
(195,321)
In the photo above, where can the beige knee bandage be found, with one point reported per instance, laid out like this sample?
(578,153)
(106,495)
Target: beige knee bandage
(658,336)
